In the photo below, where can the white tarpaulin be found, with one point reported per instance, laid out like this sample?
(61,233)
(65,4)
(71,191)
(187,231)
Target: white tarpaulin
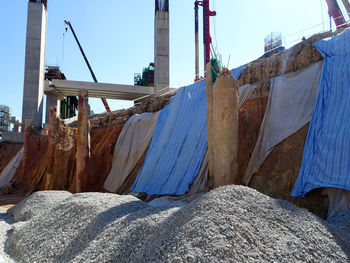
(245,92)
(290,106)
(131,145)
(9,171)
(339,201)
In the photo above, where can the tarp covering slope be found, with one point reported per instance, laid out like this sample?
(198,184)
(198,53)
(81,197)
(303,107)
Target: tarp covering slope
(326,157)
(131,145)
(245,92)
(290,106)
(9,171)
(177,151)
(178,145)
(236,72)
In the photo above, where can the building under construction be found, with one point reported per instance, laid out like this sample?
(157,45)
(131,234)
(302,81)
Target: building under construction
(67,108)
(5,118)
(250,164)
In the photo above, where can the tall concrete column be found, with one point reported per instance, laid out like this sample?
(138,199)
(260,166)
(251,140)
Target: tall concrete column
(34,70)
(161,47)
(222,128)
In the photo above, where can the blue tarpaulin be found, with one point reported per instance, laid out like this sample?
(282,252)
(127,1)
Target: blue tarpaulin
(178,145)
(326,157)
(236,72)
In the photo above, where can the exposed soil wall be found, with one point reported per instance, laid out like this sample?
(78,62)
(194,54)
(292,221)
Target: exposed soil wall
(103,142)
(150,104)
(8,150)
(277,175)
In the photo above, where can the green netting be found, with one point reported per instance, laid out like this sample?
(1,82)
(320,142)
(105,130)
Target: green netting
(215,69)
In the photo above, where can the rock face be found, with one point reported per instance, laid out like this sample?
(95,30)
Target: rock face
(228,224)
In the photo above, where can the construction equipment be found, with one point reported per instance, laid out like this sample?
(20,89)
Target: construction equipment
(69,105)
(206,30)
(87,62)
(4,118)
(147,77)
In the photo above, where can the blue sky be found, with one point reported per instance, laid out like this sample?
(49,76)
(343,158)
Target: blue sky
(117,37)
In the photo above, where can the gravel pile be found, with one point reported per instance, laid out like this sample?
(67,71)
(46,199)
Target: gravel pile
(5,226)
(37,204)
(229,224)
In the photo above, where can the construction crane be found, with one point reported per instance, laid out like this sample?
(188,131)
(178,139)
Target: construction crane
(87,62)
(206,32)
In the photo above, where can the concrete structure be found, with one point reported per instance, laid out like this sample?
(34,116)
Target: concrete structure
(83,139)
(33,88)
(16,124)
(161,47)
(62,88)
(52,101)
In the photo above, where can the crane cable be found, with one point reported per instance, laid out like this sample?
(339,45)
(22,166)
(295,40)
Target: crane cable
(63,40)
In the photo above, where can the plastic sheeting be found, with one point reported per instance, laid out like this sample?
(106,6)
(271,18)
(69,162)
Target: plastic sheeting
(339,202)
(245,92)
(177,151)
(291,103)
(326,157)
(178,145)
(236,72)
(9,171)
(131,145)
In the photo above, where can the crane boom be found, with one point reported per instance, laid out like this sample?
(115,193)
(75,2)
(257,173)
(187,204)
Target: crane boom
(87,62)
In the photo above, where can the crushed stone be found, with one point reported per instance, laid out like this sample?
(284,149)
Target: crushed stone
(5,227)
(228,224)
(37,204)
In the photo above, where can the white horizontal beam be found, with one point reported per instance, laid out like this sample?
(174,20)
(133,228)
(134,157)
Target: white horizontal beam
(97,90)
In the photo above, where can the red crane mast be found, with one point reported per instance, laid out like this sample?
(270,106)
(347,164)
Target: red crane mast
(206,30)
(335,12)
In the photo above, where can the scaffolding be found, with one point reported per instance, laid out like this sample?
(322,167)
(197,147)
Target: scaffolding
(272,41)
(5,119)
(68,106)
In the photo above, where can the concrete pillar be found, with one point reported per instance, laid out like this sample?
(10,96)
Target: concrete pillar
(222,123)
(161,49)
(52,102)
(16,126)
(34,70)
(51,148)
(83,139)
(26,148)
